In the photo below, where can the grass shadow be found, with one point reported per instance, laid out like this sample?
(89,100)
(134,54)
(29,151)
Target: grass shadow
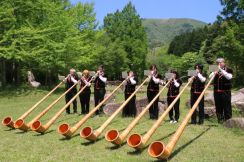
(137,152)
(9,129)
(21,132)
(168,135)
(45,120)
(92,142)
(41,134)
(159,160)
(115,147)
(187,144)
(68,138)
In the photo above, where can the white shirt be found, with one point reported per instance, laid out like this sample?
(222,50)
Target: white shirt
(201,77)
(103,79)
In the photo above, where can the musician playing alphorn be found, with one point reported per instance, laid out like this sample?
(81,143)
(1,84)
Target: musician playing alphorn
(99,87)
(197,86)
(86,93)
(130,85)
(222,91)
(70,81)
(152,91)
(173,91)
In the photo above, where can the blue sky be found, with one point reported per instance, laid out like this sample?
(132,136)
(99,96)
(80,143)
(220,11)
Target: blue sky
(204,10)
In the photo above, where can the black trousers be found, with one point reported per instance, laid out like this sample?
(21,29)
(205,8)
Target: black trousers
(99,96)
(223,105)
(175,109)
(68,97)
(85,101)
(153,110)
(130,108)
(194,97)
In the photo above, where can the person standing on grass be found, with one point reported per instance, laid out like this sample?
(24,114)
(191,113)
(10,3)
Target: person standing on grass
(86,93)
(152,91)
(197,87)
(222,90)
(99,87)
(173,91)
(130,85)
(70,81)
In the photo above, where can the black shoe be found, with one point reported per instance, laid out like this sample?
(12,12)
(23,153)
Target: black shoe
(220,121)
(193,122)
(200,122)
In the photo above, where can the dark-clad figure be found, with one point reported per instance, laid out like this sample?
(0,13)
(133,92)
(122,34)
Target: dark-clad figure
(86,93)
(99,87)
(130,108)
(70,81)
(222,91)
(173,91)
(197,86)
(152,91)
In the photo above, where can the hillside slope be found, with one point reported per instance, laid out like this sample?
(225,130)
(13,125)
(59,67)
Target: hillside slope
(162,31)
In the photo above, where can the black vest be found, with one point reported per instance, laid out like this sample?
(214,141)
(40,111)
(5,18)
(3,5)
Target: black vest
(197,86)
(69,82)
(153,86)
(130,88)
(221,83)
(98,83)
(173,90)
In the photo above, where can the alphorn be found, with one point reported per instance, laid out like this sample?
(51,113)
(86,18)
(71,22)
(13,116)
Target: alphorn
(68,131)
(138,142)
(20,123)
(37,125)
(116,138)
(8,121)
(91,135)
(158,150)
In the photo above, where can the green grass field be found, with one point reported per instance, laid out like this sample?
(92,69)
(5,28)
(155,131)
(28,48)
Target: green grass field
(209,142)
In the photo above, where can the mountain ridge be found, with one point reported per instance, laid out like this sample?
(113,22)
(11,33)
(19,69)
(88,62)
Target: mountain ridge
(162,31)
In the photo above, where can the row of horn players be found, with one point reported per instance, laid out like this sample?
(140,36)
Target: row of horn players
(222,91)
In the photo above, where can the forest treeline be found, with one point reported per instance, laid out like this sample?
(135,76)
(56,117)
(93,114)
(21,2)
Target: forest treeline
(48,37)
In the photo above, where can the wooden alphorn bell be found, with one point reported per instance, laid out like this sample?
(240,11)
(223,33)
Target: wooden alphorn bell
(138,142)
(91,135)
(116,138)
(158,150)
(68,131)
(37,125)
(8,121)
(20,123)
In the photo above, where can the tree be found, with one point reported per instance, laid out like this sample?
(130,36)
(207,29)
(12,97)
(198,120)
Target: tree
(126,27)
(230,47)
(188,42)
(45,36)
(112,55)
(233,10)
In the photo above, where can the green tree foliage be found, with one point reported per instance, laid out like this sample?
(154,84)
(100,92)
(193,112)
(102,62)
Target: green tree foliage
(46,36)
(125,28)
(112,55)
(188,42)
(224,38)
(233,10)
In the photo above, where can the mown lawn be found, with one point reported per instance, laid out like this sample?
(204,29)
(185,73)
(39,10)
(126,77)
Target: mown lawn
(209,142)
